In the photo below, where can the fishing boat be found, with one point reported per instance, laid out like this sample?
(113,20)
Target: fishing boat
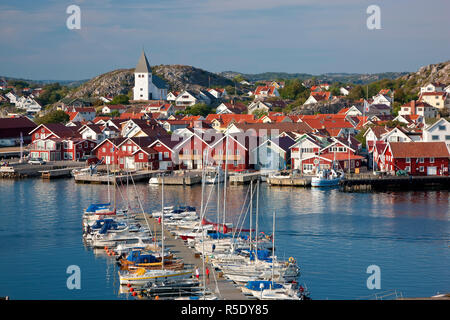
(326,178)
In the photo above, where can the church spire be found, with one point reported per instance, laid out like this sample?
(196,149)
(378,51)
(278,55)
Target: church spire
(143,66)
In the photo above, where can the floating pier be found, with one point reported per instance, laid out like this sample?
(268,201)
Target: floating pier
(244,178)
(185,180)
(122,177)
(224,288)
(290,181)
(25,170)
(382,183)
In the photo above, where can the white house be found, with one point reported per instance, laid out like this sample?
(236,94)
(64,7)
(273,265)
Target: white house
(12,97)
(418,108)
(93,132)
(172,96)
(438,131)
(433,87)
(116,107)
(186,99)
(344,91)
(146,85)
(28,104)
(218,92)
(258,105)
(382,99)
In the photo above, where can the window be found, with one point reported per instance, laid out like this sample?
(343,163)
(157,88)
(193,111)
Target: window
(141,156)
(103,150)
(166,154)
(408,160)
(421,160)
(441,128)
(421,169)
(86,144)
(43,130)
(431,160)
(447,137)
(434,138)
(408,169)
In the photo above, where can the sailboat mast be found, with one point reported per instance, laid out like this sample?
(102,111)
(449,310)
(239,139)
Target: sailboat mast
(107,179)
(257,214)
(251,212)
(162,222)
(273,244)
(218,200)
(225,182)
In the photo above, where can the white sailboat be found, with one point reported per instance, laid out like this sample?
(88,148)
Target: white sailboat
(140,276)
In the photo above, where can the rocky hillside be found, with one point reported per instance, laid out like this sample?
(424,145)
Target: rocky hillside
(121,81)
(439,72)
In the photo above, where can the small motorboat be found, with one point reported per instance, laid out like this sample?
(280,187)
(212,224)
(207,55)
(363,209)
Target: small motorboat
(327,178)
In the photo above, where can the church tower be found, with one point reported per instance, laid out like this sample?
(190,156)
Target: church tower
(142,80)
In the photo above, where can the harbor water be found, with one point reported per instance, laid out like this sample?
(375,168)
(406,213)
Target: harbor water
(334,237)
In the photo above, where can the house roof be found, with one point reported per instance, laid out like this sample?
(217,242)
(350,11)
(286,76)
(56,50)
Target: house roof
(267,128)
(116,106)
(419,149)
(60,130)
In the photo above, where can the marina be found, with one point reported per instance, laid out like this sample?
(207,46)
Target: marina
(318,227)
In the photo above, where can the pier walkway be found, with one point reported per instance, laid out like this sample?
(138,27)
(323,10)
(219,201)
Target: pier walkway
(225,289)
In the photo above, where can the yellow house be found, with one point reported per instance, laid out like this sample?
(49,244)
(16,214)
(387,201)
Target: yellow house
(439,100)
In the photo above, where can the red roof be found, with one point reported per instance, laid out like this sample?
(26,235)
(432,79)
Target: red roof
(269,90)
(419,150)
(319,96)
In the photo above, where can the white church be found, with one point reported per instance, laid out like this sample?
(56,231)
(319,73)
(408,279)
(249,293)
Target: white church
(146,85)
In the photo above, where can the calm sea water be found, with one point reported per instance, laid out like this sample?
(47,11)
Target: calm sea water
(334,236)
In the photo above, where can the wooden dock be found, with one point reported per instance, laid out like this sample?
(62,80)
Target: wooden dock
(289,181)
(122,177)
(185,180)
(225,289)
(380,183)
(25,170)
(244,178)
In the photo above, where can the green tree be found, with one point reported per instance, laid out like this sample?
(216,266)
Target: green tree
(199,109)
(56,116)
(120,99)
(293,90)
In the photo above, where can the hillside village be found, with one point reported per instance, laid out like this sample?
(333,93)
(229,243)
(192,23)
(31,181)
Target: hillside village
(267,125)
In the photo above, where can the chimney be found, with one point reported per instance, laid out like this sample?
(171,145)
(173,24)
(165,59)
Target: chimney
(413,107)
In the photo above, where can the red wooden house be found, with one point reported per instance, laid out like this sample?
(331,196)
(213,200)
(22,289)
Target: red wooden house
(231,152)
(339,154)
(55,141)
(416,158)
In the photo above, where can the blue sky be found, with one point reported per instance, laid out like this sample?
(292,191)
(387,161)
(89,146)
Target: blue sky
(249,36)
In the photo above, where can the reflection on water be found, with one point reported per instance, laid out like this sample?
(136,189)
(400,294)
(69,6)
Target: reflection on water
(334,236)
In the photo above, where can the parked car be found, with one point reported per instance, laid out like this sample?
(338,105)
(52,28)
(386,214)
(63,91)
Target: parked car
(36,161)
